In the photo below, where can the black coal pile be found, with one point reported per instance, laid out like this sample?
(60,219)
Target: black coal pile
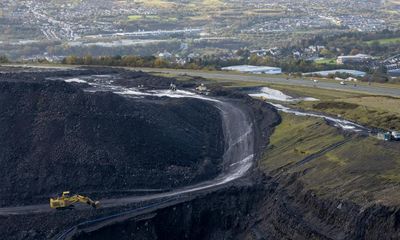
(125,77)
(56,137)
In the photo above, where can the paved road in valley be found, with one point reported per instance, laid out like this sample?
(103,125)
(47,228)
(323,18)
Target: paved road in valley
(226,76)
(375,89)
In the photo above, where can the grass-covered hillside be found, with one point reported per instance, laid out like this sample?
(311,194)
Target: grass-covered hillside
(362,169)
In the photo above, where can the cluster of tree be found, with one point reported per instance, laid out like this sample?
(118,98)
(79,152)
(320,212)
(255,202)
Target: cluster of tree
(4,59)
(290,65)
(353,43)
(16,51)
(377,75)
(130,61)
(57,48)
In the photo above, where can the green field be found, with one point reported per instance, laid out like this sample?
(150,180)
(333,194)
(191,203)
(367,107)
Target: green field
(374,111)
(293,140)
(153,17)
(386,41)
(148,17)
(134,17)
(364,169)
(327,61)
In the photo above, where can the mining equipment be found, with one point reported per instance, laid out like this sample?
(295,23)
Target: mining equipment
(66,201)
(172,87)
(202,89)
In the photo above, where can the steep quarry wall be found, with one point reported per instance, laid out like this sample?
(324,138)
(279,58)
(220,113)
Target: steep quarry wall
(269,210)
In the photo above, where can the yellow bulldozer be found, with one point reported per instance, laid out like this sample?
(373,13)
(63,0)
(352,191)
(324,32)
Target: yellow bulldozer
(66,201)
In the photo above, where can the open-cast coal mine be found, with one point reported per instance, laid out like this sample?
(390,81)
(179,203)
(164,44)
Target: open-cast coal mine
(130,139)
(159,159)
(54,136)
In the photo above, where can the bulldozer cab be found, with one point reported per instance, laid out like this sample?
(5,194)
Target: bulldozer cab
(65,194)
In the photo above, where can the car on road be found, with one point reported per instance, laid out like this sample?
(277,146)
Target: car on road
(342,83)
(396,135)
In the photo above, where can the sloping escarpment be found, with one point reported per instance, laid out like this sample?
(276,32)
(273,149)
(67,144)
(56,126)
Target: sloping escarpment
(221,215)
(269,210)
(293,212)
(55,137)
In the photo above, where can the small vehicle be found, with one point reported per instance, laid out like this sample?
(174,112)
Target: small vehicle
(387,136)
(396,135)
(342,83)
(172,87)
(202,89)
(66,201)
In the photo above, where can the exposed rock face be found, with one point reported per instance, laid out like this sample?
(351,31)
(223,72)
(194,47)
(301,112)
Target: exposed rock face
(55,137)
(222,215)
(268,210)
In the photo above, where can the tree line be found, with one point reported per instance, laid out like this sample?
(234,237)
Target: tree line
(4,59)
(288,65)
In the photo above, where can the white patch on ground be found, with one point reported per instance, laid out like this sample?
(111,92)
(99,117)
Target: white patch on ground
(103,76)
(138,93)
(173,94)
(273,94)
(131,91)
(180,94)
(339,123)
(309,99)
(75,80)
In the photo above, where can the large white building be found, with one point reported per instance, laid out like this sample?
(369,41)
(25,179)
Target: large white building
(359,58)
(337,71)
(254,69)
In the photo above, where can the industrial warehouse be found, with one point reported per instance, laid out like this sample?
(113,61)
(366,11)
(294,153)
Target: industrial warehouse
(254,69)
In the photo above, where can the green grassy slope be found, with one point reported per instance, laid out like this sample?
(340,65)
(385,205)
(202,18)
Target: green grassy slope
(364,169)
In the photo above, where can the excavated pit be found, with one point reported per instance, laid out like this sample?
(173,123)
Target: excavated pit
(56,137)
(254,207)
